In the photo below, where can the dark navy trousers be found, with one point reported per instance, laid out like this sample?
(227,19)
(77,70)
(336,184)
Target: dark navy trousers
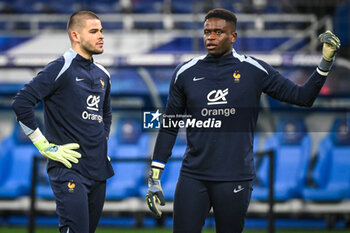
(79,200)
(194,199)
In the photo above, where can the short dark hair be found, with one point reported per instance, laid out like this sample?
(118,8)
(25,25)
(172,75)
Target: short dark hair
(222,14)
(76,19)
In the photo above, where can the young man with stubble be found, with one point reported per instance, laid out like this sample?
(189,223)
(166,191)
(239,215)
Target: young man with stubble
(75,92)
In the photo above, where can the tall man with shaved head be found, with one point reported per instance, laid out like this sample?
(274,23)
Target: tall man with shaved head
(218,167)
(75,92)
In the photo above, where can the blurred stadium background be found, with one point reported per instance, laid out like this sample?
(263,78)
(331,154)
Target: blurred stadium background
(144,41)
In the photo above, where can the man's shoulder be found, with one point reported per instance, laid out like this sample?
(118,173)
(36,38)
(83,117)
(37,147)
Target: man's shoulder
(180,69)
(65,61)
(252,62)
(101,67)
(193,60)
(55,65)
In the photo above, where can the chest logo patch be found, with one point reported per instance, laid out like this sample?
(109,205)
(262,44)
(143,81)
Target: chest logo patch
(102,83)
(236,76)
(92,102)
(78,79)
(195,79)
(217,97)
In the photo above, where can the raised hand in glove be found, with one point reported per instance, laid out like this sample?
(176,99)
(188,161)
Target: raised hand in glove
(331,45)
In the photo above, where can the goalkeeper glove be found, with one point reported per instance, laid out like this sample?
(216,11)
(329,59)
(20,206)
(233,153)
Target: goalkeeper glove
(154,194)
(331,45)
(61,153)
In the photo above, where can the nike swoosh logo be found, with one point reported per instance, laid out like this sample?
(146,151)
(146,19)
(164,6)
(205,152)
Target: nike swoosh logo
(237,190)
(78,79)
(197,79)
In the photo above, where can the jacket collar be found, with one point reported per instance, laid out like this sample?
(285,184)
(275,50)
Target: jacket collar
(222,59)
(83,61)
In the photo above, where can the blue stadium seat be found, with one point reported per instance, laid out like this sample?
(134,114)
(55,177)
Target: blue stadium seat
(186,44)
(43,188)
(104,6)
(256,148)
(260,44)
(128,142)
(161,77)
(331,175)
(5,158)
(26,7)
(292,145)
(147,6)
(256,142)
(172,169)
(129,82)
(340,21)
(6,7)
(148,25)
(183,6)
(16,158)
(65,6)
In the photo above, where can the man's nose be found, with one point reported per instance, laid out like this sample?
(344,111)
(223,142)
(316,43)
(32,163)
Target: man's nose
(212,36)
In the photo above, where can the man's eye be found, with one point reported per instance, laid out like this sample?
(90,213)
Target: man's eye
(218,32)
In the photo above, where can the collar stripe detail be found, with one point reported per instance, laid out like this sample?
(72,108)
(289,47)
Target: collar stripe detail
(103,69)
(68,58)
(187,66)
(26,129)
(250,60)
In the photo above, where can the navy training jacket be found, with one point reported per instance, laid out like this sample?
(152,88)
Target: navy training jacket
(76,96)
(225,89)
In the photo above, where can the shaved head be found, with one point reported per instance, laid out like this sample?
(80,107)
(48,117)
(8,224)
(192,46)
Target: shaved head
(78,20)
(85,33)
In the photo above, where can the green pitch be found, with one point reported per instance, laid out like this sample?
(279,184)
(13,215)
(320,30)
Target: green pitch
(154,230)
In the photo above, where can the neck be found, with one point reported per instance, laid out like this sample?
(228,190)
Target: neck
(81,52)
(221,54)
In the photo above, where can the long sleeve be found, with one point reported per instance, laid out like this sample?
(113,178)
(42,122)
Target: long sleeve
(167,136)
(36,90)
(107,111)
(283,89)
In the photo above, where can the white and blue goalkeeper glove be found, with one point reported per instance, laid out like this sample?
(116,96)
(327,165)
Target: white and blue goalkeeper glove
(331,45)
(61,153)
(154,194)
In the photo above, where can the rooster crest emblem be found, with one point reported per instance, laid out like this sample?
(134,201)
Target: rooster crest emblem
(71,186)
(102,83)
(236,76)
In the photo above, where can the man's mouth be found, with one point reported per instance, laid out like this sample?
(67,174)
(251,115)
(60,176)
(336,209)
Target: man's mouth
(211,46)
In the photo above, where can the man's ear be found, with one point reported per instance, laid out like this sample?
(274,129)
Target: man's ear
(74,35)
(234,36)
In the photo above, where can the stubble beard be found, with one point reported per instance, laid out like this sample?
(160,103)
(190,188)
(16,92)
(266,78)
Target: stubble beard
(90,50)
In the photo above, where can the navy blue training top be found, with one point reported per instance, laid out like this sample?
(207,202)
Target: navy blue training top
(227,89)
(76,96)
